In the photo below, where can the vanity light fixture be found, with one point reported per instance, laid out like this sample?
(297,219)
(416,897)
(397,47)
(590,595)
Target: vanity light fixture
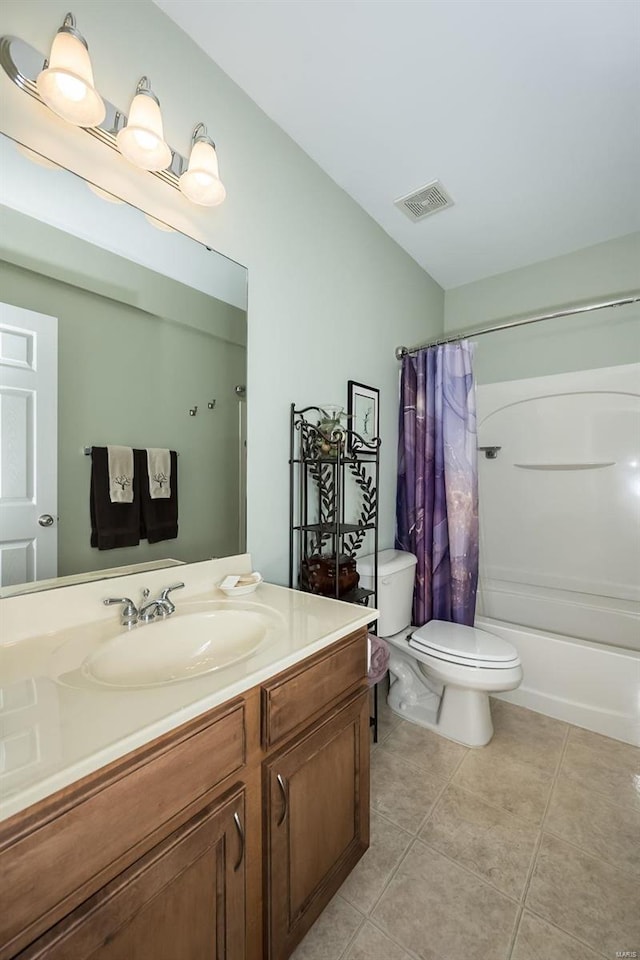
(201,182)
(142,139)
(66,82)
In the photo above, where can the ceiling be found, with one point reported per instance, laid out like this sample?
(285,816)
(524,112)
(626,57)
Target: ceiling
(526,110)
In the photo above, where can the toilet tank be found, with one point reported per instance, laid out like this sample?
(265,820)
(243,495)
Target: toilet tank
(396,576)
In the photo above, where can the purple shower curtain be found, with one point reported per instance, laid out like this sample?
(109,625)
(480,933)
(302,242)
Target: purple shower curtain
(437,495)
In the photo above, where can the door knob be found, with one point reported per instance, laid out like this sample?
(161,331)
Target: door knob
(45,520)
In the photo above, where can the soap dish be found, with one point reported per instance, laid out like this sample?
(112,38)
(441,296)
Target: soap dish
(242,585)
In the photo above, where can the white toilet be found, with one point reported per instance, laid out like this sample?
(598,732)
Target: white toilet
(441,673)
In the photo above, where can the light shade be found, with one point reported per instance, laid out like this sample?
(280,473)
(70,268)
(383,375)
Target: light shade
(201,182)
(142,140)
(103,194)
(158,224)
(66,84)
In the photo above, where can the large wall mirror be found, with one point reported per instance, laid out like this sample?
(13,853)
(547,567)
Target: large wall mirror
(135,337)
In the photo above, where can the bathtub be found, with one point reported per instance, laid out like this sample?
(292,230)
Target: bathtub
(594,685)
(560,541)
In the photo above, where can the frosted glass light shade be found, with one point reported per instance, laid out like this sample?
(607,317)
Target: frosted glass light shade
(103,194)
(66,85)
(36,157)
(201,182)
(158,224)
(142,140)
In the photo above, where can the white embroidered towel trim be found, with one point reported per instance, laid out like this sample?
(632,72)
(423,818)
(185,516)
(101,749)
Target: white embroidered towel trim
(159,466)
(120,474)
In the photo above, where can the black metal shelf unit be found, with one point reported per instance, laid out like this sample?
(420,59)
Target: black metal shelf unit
(333,502)
(333,509)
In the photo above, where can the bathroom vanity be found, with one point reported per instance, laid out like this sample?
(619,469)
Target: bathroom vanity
(230,809)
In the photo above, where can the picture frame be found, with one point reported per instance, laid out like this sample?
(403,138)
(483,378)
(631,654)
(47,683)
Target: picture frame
(364,414)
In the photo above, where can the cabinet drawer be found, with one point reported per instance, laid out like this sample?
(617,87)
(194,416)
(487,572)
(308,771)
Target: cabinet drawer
(304,692)
(56,855)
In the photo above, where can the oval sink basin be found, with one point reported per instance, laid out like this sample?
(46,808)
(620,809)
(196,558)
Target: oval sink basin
(182,646)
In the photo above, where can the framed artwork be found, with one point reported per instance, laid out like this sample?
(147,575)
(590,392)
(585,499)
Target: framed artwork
(363,412)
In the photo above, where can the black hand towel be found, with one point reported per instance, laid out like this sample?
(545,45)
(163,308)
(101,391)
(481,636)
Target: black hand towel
(112,524)
(159,518)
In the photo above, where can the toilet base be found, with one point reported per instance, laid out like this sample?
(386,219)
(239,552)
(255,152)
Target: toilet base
(445,697)
(460,715)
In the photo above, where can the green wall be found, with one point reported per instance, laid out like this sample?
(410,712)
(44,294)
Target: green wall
(601,339)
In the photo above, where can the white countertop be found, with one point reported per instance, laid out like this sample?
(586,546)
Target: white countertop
(56,726)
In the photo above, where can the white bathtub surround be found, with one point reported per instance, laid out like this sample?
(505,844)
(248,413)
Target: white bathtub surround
(57,726)
(560,541)
(560,505)
(588,684)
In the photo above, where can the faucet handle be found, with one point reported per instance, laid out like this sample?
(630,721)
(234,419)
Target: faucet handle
(164,597)
(130,611)
(165,593)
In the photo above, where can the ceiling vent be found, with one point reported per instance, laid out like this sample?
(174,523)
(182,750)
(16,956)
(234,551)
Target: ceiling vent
(425,201)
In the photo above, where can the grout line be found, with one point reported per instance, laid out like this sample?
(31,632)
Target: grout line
(534,858)
(536,847)
(436,803)
(421,768)
(468,870)
(600,794)
(392,875)
(514,933)
(629,874)
(354,936)
(410,953)
(571,936)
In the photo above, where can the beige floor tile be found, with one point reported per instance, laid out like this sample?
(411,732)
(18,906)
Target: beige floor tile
(331,933)
(440,912)
(367,880)
(400,791)
(538,940)
(491,842)
(590,899)
(427,750)
(526,737)
(608,831)
(519,788)
(607,766)
(371,944)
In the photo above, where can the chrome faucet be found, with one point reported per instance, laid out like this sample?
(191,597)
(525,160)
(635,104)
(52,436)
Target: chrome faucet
(161,607)
(149,609)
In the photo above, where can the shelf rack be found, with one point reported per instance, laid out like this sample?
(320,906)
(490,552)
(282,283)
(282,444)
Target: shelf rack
(333,503)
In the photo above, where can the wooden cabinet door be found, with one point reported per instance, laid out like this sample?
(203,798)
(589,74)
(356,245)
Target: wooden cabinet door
(184,900)
(317,818)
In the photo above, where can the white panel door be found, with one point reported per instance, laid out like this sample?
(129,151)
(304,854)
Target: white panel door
(28,445)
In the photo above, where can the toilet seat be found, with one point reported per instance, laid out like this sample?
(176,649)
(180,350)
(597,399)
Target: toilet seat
(466,646)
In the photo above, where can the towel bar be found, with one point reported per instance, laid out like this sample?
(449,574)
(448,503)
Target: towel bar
(87,451)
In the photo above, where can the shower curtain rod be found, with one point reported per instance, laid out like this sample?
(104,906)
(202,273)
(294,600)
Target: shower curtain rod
(535,318)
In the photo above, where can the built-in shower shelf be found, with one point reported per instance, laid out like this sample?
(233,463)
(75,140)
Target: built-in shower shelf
(592,465)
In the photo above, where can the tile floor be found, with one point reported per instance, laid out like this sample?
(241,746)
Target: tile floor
(527,849)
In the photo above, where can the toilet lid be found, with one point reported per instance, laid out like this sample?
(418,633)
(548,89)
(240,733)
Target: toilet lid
(467,643)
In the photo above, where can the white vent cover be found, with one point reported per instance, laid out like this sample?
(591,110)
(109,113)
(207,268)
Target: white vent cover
(425,201)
